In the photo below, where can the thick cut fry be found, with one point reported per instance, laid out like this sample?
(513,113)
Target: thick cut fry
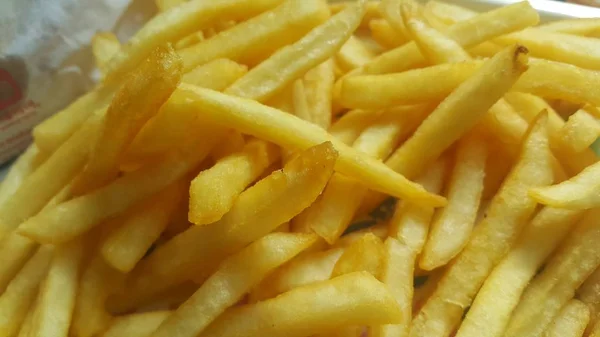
(213,191)
(414,86)
(493,236)
(467,33)
(385,35)
(98,279)
(235,276)
(139,98)
(104,46)
(125,246)
(22,168)
(577,50)
(353,54)
(78,215)
(556,80)
(581,130)
(318,87)
(365,254)
(435,46)
(177,23)
(410,222)
(37,189)
(252,41)
(140,325)
(398,271)
(15,251)
(351,125)
(371,13)
(292,61)
(256,212)
(570,321)
(291,132)
(568,268)
(303,270)
(351,299)
(582,27)
(22,291)
(452,227)
(56,301)
(500,294)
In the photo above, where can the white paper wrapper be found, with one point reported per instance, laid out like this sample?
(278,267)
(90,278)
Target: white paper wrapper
(46,60)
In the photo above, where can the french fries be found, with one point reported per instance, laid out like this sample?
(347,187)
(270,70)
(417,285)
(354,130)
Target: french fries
(385,35)
(104,46)
(587,294)
(365,254)
(581,130)
(318,87)
(142,324)
(353,54)
(21,169)
(570,321)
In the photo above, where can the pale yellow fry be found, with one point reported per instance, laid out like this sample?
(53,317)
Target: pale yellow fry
(398,272)
(214,191)
(391,12)
(493,236)
(353,54)
(15,251)
(21,292)
(235,276)
(501,292)
(365,254)
(356,298)
(576,259)
(583,27)
(177,23)
(410,223)
(292,61)
(139,325)
(448,13)
(435,46)
(38,188)
(318,87)
(104,46)
(140,97)
(413,86)
(570,321)
(385,35)
(550,79)
(588,293)
(98,279)
(22,168)
(351,125)
(577,50)
(125,246)
(469,33)
(371,13)
(190,40)
(293,133)
(299,102)
(256,212)
(78,215)
(581,130)
(164,5)
(252,41)
(331,214)
(303,270)
(58,292)
(452,228)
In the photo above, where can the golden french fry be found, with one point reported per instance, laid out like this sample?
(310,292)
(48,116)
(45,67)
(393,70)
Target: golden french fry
(353,54)
(371,13)
(589,295)
(595,332)
(291,132)
(421,85)
(214,191)
(570,321)
(233,142)
(582,27)
(447,13)
(256,212)
(21,292)
(385,35)
(15,251)
(567,269)
(98,279)
(318,86)
(78,215)
(577,50)
(235,276)
(177,23)
(104,46)
(507,214)
(581,130)
(252,41)
(469,33)
(365,254)
(292,61)
(452,228)
(391,12)
(497,298)
(351,125)
(410,222)
(23,167)
(164,5)
(190,40)
(141,325)
(351,299)
(398,271)
(58,292)
(139,98)
(125,246)
(303,270)
(27,322)
(380,230)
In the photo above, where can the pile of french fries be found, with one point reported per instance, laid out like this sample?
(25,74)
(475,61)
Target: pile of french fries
(212,183)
